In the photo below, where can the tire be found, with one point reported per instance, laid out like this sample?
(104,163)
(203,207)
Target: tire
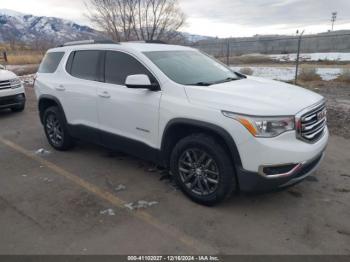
(203,169)
(56,129)
(19,108)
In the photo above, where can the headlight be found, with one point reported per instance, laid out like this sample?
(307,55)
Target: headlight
(260,126)
(15,83)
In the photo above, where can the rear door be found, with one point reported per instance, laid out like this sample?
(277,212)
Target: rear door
(80,88)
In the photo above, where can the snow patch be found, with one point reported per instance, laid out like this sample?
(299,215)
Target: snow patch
(120,188)
(141,204)
(109,212)
(341,57)
(42,152)
(288,73)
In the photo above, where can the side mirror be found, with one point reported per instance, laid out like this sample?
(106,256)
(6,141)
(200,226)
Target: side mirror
(2,67)
(140,82)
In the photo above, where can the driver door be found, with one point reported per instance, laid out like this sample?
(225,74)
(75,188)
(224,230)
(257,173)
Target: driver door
(129,116)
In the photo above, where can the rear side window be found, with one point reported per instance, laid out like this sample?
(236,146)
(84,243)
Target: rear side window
(120,65)
(50,62)
(86,65)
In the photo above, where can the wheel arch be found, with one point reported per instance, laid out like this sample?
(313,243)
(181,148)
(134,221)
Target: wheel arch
(46,101)
(179,128)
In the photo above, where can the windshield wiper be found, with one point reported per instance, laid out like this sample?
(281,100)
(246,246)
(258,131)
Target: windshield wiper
(229,79)
(201,84)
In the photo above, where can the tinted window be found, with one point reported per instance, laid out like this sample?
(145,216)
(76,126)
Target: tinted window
(86,65)
(50,62)
(70,62)
(120,65)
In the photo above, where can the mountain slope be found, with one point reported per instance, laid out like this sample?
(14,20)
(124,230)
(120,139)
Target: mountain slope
(19,27)
(29,28)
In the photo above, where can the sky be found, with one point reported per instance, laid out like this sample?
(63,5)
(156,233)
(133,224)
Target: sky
(222,18)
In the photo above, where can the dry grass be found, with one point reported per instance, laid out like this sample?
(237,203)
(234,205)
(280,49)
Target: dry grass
(21,55)
(24,59)
(246,71)
(345,76)
(309,74)
(251,59)
(248,59)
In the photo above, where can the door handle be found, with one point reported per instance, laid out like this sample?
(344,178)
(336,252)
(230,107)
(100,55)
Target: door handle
(60,88)
(104,94)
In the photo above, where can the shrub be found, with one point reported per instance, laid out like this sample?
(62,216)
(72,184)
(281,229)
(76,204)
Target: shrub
(309,74)
(254,59)
(247,59)
(246,71)
(344,76)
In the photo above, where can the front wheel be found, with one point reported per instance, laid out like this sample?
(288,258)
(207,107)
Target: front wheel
(56,129)
(203,169)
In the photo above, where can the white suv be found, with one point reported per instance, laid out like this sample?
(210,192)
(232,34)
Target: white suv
(12,94)
(217,130)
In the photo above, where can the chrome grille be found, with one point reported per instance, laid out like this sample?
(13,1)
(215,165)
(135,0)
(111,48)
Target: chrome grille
(5,84)
(312,122)
(14,83)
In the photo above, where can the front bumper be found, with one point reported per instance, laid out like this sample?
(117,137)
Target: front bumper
(13,100)
(255,182)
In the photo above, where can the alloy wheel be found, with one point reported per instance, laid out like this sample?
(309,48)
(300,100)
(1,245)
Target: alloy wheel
(54,130)
(199,172)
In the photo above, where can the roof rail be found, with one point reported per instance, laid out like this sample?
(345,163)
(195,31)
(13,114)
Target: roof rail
(148,42)
(155,42)
(88,42)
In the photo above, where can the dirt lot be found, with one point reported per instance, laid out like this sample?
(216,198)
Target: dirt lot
(74,203)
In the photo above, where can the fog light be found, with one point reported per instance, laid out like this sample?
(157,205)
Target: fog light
(280,171)
(276,170)
(20,97)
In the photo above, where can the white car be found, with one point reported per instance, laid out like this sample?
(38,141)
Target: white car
(217,130)
(12,94)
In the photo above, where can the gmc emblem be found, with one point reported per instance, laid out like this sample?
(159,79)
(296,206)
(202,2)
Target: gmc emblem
(321,115)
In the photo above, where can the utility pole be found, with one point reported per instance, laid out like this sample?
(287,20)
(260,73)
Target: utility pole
(298,56)
(334,18)
(228,52)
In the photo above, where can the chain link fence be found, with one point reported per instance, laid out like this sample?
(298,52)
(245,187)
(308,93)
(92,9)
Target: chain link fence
(232,51)
(275,45)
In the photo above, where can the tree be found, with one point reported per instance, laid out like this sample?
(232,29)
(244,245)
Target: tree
(125,20)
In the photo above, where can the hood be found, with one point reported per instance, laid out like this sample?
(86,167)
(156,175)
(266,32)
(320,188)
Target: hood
(6,75)
(254,96)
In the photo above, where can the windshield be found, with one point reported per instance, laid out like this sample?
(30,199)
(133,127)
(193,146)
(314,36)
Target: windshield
(191,67)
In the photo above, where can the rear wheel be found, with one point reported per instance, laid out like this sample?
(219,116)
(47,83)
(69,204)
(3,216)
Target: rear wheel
(203,169)
(56,129)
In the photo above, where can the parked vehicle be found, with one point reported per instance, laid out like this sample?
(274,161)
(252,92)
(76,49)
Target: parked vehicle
(12,94)
(217,130)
